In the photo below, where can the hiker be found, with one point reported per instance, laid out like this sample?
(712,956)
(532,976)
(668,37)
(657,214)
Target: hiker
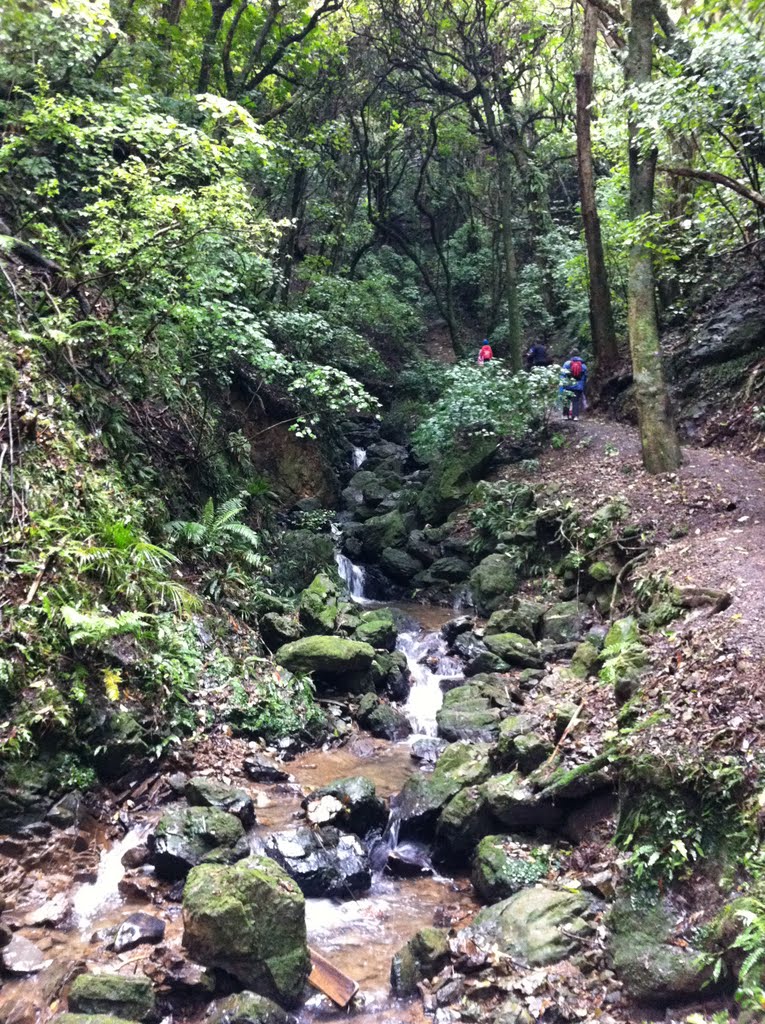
(486,354)
(573,378)
(537,355)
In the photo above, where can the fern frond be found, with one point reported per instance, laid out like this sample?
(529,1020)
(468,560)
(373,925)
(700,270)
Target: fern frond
(228,511)
(208,514)
(242,533)
(112,683)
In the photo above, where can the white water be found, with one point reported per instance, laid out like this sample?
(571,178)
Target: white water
(358,458)
(425,696)
(352,575)
(95,898)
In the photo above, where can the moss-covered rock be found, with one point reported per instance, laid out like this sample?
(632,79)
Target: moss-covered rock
(382,719)
(326,656)
(585,660)
(129,998)
(248,1008)
(277,629)
(249,920)
(204,792)
(423,796)
(318,606)
(378,629)
(537,926)
(652,967)
(513,802)
(492,582)
(498,873)
(468,715)
(119,741)
(449,569)
(88,1018)
(422,957)
(453,478)
(520,745)
(462,823)
(361,809)
(185,837)
(521,617)
(603,571)
(380,532)
(400,566)
(564,622)
(515,650)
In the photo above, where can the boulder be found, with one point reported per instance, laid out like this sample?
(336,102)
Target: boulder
(513,803)
(645,958)
(454,627)
(317,606)
(67,811)
(452,479)
(378,629)
(276,630)
(360,809)
(499,873)
(585,660)
(248,1008)
(400,565)
(519,745)
(521,617)
(130,998)
(323,862)
(536,926)
(381,532)
(492,581)
(260,769)
(120,741)
(249,920)
(468,714)
(204,792)
(449,569)
(563,623)
(54,911)
(185,837)
(420,548)
(424,955)
(461,825)
(514,649)
(137,929)
(390,673)
(382,719)
(422,797)
(325,656)
(20,956)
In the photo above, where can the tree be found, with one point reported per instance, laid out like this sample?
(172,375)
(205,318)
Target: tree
(601,310)
(661,450)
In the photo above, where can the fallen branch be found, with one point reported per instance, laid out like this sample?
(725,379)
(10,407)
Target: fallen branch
(39,577)
(619,581)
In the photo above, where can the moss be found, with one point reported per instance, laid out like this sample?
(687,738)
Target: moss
(127,997)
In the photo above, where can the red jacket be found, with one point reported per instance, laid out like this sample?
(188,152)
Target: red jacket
(485,354)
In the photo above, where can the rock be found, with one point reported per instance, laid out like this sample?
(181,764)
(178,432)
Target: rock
(360,809)
(520,746)
(427,750)
(67,811)
(178,782)
(585,660)
(185,837)
(378,629)
(259,769)
(381,532)
(465,715)
(492,581)
(653,969)
(454,627)
(20,956)
(449,569)
(498,873)
(88,1018)
(563,623)
(248,1008)
(249,920)
(326,657)
(120,742)
(317,606)
(136,857)
(514,649)
(422,957)
(130,998)
(521,617)
(452,479)
(421,549)
(390,673)
(536,926)
(409,860)
(138,929)
(53,912)
(602,571)
(382,719)
(277,629)
(513,803)
(204,792)
(323,862)
(463,822)
(400,565)
(173,973)
(421,799)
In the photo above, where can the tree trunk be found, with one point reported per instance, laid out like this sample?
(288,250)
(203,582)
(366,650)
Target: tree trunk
(514,341)
(601,311)
(219,8)
(661,450)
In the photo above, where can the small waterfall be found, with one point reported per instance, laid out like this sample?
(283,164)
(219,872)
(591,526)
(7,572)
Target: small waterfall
(351,574)
(358,458)
(428,664)
(94,898)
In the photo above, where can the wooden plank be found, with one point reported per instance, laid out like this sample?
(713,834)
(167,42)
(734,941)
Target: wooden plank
(330,980)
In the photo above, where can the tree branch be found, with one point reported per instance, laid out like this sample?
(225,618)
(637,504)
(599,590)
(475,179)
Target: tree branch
(716,178)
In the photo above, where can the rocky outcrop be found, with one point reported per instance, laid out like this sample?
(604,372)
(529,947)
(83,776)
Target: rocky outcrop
(323,862)
(249,920)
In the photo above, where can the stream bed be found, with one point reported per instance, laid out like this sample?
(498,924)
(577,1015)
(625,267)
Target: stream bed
(358,935)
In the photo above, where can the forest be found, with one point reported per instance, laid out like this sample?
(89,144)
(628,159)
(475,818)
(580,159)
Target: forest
(343,673)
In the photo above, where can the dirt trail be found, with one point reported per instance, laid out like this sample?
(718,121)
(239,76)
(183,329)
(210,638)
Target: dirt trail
(708,525)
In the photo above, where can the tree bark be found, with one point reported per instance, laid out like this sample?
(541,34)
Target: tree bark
(661,450)
(601,311)
(219,8)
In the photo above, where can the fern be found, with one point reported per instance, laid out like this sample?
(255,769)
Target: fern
(92,629)
(219,535)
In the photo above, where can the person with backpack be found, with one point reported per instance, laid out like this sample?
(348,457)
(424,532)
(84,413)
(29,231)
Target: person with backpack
(486,354)
(537,355)
(573,379)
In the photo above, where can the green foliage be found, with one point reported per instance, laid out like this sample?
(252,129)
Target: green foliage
(92,629)
(488,401)
(220,534)
(273,707)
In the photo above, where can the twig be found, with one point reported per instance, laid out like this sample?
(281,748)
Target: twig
(620,579)
(38,578)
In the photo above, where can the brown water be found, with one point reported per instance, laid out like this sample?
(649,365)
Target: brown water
(358,936)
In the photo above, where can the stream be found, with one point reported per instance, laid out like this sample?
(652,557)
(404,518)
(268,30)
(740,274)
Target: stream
(359,935)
